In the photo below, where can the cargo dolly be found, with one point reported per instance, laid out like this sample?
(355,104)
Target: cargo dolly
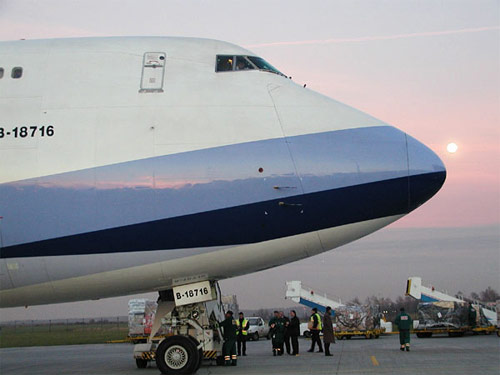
(369,334)
(453,332)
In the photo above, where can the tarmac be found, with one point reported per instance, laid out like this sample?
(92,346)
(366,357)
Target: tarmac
(437,355)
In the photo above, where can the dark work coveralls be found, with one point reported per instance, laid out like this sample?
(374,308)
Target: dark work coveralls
(294,332)
(472,316)
(328,334)
(229,346)
(287,335)
(404,323)
(242,336)
(277,333)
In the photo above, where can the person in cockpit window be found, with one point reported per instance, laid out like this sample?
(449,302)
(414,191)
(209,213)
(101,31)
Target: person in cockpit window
(240,65)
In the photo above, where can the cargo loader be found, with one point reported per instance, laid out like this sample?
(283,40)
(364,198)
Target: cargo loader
(351,320)
(440,313)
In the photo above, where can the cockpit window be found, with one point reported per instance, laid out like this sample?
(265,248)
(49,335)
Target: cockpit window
(264,65)
(243,64)
(227,63)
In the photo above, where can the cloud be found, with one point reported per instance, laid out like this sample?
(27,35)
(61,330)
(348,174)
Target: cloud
(373,38)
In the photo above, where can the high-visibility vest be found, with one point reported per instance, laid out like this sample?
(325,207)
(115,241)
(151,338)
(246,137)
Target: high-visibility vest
(244,324)
(319,327)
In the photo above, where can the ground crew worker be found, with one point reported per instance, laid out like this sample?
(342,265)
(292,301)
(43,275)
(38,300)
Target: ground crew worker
(286,333)
(277,333)
(294,332)
(328,335)
(242,332)
(229,332)
(315,327)
(472,316)
(404,323)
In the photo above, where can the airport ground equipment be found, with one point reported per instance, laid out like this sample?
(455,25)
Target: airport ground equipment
(189,315)
(347,334)
(308,297)
(415,289)
(452,318)
(351,320)
(230,302)
(357,320)
(453,332)
(141,314)
(498,318)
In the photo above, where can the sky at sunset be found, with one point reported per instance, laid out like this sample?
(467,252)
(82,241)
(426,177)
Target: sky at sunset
(430,68)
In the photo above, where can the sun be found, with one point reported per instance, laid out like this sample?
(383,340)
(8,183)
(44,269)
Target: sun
(452,148)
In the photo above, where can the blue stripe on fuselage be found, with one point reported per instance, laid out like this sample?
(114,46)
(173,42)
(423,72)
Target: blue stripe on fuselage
(244,224)
(222,183)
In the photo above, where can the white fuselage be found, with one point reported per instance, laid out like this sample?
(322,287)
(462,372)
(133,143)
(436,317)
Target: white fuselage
(129,163)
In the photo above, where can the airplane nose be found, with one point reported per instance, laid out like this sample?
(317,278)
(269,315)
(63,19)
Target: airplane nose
(365,173)
(426,172)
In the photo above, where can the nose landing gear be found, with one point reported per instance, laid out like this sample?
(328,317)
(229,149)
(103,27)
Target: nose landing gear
(194,333)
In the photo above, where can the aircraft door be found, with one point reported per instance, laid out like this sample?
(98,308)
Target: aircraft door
(153,71)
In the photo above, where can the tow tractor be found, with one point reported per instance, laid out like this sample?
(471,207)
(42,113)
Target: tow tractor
(191,313)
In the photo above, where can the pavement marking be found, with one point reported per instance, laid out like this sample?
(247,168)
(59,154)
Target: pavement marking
(374,360)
